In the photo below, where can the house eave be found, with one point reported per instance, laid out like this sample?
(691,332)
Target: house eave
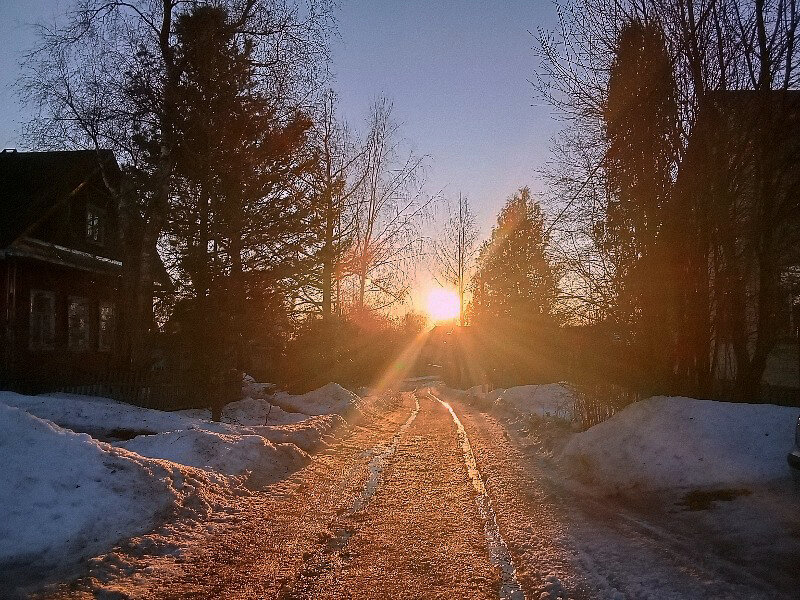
(56,254)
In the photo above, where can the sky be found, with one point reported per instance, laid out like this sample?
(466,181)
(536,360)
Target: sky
(457,72)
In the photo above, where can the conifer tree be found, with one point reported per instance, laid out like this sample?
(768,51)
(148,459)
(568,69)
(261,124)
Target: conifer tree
(641,120)
(515,280)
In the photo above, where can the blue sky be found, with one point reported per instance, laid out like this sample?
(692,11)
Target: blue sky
(458,74)
(456,70)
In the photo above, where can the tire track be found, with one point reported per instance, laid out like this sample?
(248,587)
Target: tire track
(499,554)
(332,553)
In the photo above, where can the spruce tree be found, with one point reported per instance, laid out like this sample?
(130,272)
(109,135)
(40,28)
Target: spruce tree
(515,280)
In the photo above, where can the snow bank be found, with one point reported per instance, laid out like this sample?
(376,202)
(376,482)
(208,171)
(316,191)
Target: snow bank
(547,400)
(66,496)
(256,411)
(251,455)
(308,435)
(329,399)
(255,437)
(105,418)
(253,389)
(664,443)
(100,417)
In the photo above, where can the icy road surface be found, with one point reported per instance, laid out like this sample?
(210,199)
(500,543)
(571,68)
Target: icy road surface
(430,498)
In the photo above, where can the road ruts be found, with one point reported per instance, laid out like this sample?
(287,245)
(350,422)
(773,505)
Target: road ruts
(420,535)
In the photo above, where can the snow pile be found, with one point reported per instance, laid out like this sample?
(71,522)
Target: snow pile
(256,437)
(329,399)
(256,411)
(309,435)
(64,494)
(549,400)
(189,437)
(253,389)
(251,455)
(664,443)
(99,417)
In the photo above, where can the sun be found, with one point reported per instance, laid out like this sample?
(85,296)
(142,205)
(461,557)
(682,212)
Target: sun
(443,304)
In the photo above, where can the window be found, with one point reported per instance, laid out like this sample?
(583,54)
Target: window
(107,327)
(78,316)
(43,320)
(95,224)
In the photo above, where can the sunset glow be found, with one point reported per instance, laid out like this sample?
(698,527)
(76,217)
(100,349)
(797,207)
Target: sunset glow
(443,304)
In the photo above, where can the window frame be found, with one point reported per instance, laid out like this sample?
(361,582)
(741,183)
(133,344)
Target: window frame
(88,344)
(98,226)
(38,345)
(110,334)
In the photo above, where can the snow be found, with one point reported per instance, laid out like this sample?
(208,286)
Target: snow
(309,435)
(329,399)
(253,389)
(553,400)
(548,400)
(675,442)
(66,496)
(99,417)
(251,455)
(255,437)
(250,411)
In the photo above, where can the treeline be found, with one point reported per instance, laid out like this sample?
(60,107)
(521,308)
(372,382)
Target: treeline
(510,298)
(676,185)
(282,229)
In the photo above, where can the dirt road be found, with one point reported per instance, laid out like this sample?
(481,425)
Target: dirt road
(425,498)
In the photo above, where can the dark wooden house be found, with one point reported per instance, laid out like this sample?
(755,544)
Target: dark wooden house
(60,267)
(742,168)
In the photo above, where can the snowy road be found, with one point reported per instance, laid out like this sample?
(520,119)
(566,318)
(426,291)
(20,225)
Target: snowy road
(426,498)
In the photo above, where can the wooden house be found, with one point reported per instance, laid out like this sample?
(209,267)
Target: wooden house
(60,266)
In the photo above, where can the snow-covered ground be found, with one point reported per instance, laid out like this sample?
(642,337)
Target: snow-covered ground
(329,399)
(82,473)
(64,495)
(669,498)
(661,443)
(668,443)
(552,400)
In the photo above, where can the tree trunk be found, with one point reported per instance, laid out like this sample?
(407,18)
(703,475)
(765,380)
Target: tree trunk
(328,258)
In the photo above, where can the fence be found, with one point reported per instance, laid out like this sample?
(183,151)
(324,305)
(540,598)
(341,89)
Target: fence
(148,390)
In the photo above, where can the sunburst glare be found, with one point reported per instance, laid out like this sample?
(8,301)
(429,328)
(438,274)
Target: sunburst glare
(443,304)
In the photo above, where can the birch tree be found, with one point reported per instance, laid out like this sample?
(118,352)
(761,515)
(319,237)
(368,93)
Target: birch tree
(391,207)
(455,250)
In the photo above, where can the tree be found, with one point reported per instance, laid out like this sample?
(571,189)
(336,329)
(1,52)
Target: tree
(713,46)
(390,206)
(335,180)
(108,78)
(455,250)
(637,233)
(515,280)
(235,217)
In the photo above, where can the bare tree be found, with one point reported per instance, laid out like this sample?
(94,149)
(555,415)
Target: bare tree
(455,250)
(391,206)
(714,46)
(334,182)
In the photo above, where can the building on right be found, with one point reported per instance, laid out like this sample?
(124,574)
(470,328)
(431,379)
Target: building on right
(738,245)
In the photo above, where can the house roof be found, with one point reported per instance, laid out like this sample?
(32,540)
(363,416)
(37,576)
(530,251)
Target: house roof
(26,247)
(33,183)
(741,113)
